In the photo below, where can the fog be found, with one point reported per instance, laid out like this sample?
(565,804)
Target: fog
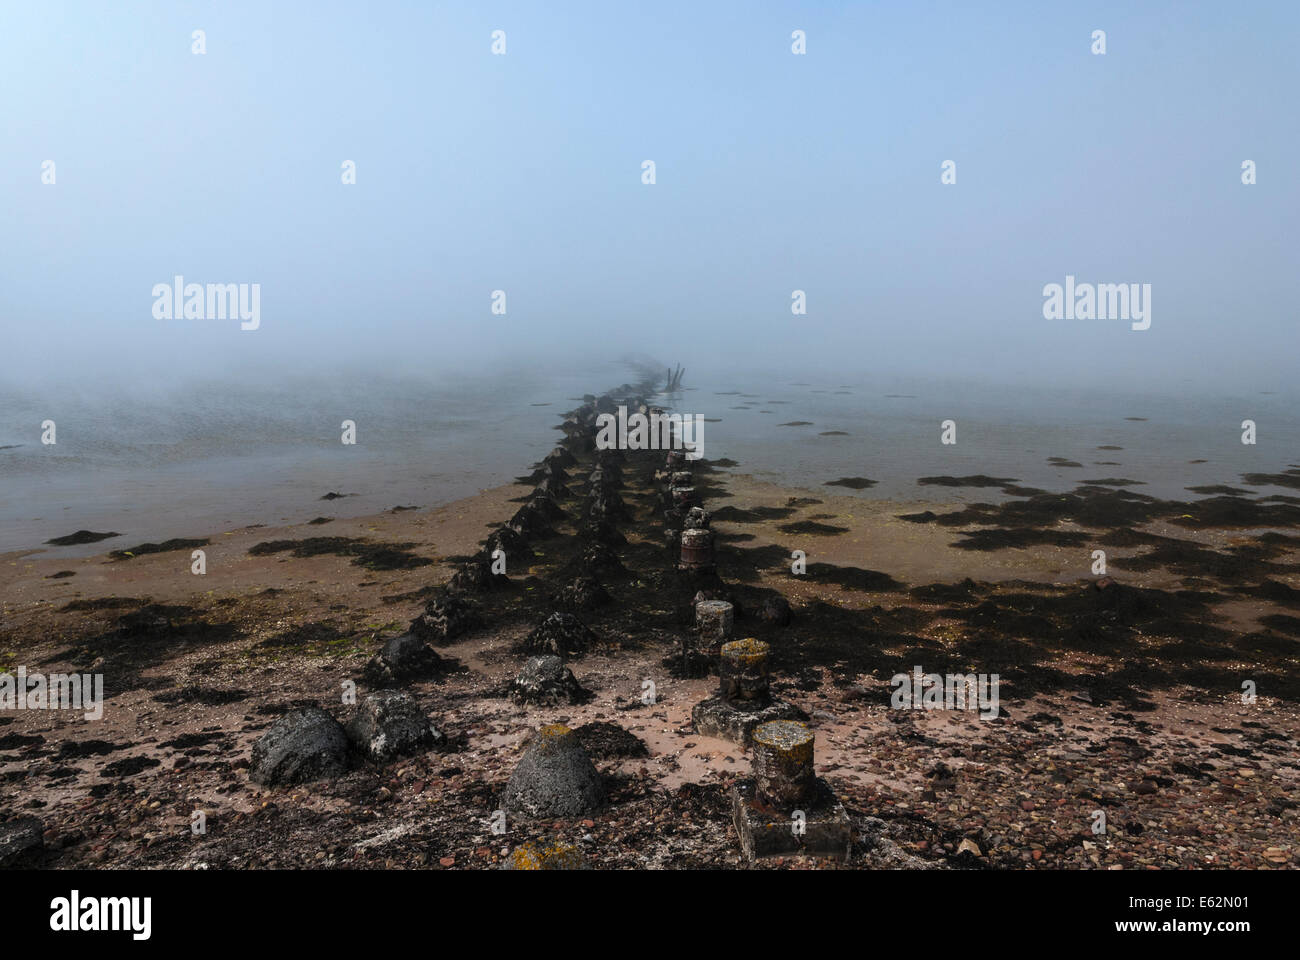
(774,172)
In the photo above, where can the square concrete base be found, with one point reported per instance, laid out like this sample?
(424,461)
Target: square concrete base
(764,832)
(716,717)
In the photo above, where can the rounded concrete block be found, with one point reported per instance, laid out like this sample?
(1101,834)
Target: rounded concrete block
(715,620)
(743,669)
(783,764)
(697,549)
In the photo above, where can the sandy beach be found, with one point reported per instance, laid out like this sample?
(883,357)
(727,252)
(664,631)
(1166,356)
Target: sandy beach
(1120,694)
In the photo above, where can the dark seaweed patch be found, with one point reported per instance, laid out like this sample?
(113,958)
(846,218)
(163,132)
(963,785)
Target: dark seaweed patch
(607,741)
(730,514)
(1288,478)
(812,528)
(364,553)
(176,543)
(975,480)
(853,483)
(1105,508)
(81,536)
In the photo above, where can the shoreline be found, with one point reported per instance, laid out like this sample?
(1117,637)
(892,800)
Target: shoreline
(1101,706)
(186,474)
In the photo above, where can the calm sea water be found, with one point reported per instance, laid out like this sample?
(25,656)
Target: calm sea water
(892,434)
(160,465)
(190,463)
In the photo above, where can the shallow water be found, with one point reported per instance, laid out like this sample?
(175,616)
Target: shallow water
(894,433)
(154,465)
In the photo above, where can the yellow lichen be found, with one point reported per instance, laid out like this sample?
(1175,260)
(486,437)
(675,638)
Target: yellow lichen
(546,856)
(791,740)
(553,737)
(749,651)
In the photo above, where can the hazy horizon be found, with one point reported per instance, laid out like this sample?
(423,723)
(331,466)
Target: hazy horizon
(775,172)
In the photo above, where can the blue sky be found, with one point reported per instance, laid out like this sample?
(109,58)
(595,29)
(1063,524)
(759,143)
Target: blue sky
(775,172)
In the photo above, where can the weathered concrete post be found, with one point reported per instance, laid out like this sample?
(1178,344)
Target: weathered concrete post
(697,518)
(697,549)
(783,764)
(683,498)
(786,809)
(742,670)
(715,621)
(744,699)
